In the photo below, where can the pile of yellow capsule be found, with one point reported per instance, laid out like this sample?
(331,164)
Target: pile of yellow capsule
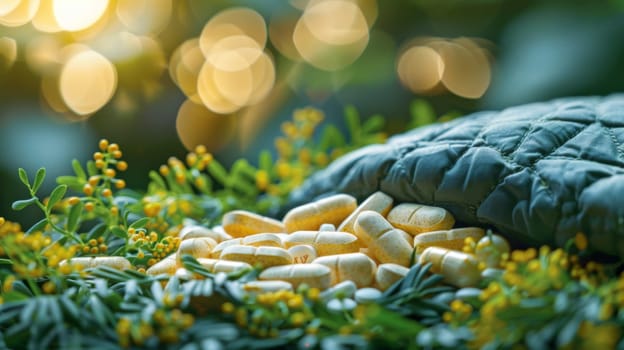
(332,241)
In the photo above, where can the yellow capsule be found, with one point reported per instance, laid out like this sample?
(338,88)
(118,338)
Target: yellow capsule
(451,239)
(331,210)
(262,239)
(216,251)
(387,244)
(259,287)
(200,247)
(324,242)
(216,266)
(387,274)
(355,267)
(195,231)
(116,262)
(168,266)
(240,223)
(302,254)
(263,256)
(313,275)
(417,218)
(378,201)
(458,268)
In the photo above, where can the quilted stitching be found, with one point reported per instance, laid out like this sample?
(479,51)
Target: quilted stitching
(537,173)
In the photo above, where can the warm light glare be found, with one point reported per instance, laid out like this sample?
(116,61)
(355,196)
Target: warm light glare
(75,15)
(336,22)
(87,82)
(8,52)
(144,16)
(196,125)
(331,34)
(244,22)
(420,69)
(433,65)
(44,20)
(7,6)
(187,70)
(18,15)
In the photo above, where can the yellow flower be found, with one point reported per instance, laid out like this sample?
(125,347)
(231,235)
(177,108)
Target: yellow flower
(580,240)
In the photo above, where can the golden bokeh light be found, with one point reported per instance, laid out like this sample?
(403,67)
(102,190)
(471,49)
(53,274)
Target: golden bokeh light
(87,82)
(144,16)
(466,70)
(323,55)
(331,34)
(187,69)
(335,22)
(196,125)
(20,14)
(420,69)
(233,21)
(76,15)
(263,73)
(7,6)
(44,20)
(8,52)
(234,53)
(210,94)
(281,31)
(51,95)
(461,66)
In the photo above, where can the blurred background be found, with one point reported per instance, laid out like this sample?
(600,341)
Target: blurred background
(160,76)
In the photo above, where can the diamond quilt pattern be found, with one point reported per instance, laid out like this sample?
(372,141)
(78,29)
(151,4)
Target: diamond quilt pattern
(536,173)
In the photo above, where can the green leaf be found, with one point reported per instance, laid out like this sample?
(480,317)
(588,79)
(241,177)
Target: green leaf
(265,161)
(140,223)
(74,216)
(80,173)
(39,177)
(56,195)
(352,118)
(218,172)
(422,113)
(97,230)
(119,232)
(71,181)
(23,177)
(373,124)
(23,203)
(13,296)
(6,262)
(39,226)
(91,169)
(157,179)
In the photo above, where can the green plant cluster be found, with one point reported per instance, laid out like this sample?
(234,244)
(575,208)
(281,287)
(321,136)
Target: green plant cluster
(540,298)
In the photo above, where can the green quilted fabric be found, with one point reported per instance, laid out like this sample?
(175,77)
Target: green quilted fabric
(537,173)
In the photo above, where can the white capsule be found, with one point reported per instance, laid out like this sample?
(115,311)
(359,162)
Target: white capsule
(341,305)
(367,295)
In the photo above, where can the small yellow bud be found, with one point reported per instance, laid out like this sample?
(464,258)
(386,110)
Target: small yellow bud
(164,170)
(87,189)
(103,144)
(113,147)
(117,154)
(107,192)
(99,164)
(94,180)
(122,166)
(200,150)
(89,206)
(120,184)
(73,200)
(98,156)
(110,172)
